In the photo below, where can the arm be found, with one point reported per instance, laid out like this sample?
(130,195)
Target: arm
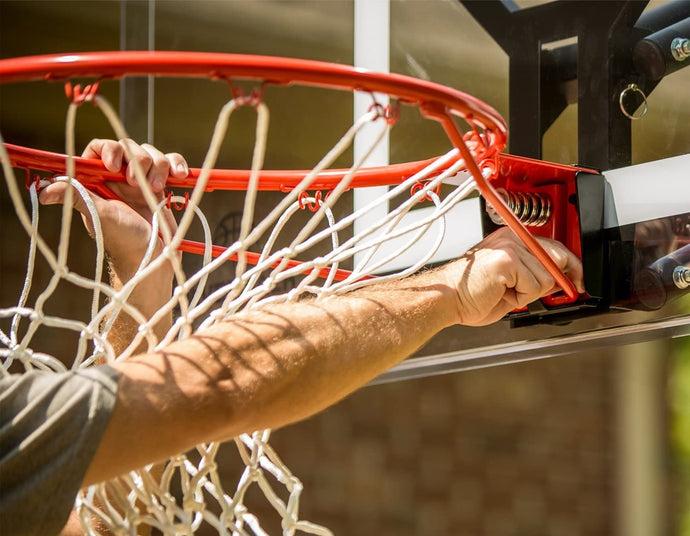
(126,232)
(274,366)
(126,226)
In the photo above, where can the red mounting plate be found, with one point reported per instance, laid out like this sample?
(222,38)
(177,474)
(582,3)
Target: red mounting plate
(558,181)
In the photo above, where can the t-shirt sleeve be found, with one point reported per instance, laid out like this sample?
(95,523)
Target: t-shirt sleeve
(50,427)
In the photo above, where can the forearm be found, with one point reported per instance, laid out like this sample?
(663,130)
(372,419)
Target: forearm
(265,369)
(313,356)
(147,296)
(271,367)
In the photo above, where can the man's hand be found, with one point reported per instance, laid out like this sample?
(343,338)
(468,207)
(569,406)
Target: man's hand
(500,275)
(126,224)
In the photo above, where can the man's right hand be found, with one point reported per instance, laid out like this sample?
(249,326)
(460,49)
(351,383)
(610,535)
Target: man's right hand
(500,274)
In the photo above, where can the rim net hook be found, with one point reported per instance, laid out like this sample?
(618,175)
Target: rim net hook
(254,98)
(77,95)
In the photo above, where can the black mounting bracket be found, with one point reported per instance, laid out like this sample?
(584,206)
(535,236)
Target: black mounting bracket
(593,66)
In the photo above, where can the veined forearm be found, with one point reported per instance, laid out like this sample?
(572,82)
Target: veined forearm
(271,367)
(264,369)
(313,355)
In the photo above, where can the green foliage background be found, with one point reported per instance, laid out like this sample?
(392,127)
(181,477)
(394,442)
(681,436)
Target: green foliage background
(679,405)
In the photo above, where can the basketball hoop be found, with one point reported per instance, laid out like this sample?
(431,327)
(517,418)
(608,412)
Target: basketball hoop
(487,128)
(474,151)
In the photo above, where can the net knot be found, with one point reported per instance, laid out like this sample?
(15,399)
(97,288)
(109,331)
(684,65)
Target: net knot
(288,525)
(23,355)
(146,330)
(77,95)
(61,271)
(192,503)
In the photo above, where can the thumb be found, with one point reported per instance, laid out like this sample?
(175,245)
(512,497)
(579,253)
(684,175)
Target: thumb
(55,194)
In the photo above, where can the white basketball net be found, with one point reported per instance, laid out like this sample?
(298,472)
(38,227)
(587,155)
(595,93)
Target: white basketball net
(143,498)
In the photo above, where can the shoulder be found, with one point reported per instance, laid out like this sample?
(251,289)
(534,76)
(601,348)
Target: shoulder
(50,425)
(39,386)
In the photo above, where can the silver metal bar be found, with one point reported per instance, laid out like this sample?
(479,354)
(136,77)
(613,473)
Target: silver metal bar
(137,32)
(528,350)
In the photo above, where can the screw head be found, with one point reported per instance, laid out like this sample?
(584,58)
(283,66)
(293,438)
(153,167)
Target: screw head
(680,48)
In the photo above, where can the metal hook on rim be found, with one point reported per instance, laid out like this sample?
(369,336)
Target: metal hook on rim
(633,88)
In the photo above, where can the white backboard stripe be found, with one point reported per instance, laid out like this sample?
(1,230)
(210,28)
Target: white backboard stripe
(647,191)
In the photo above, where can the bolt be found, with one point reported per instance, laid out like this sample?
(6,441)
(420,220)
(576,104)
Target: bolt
(680,48)
(681,277)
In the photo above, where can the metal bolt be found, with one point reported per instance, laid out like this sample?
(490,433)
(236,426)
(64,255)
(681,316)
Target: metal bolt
(681,277)
(680,48)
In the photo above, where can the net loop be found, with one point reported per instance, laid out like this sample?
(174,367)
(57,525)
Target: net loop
(479,142)
(78,96)
(170,202)
(389,113)
(34,180)
(312,202)
(489,167)
(254,98)
(474,138)
(419,185)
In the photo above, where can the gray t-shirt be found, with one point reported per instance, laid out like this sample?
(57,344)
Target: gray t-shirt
(50,427)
